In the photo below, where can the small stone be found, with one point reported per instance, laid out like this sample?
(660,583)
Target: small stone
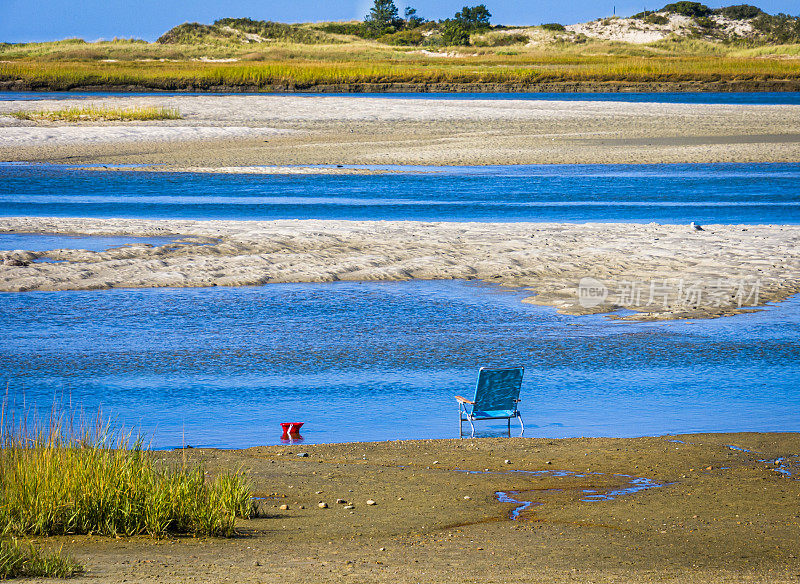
(399,498)
(549,462)
(371,502)
(284,507)
(340,501)
(467,497)
(507,461)
(435,462)
(709,468)
(383,549)
(323,505)
(302,507)
(302,454)
(319,492)
(256,563)
(349,507)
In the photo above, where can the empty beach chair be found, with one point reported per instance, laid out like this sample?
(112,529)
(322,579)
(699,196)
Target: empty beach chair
(496,398)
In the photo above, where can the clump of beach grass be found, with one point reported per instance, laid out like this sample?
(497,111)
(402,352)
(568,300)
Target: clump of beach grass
(101,114)
(99,482)
(20,560)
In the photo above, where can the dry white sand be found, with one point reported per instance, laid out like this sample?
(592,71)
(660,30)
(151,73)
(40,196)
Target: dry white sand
(65,135)
(662,271)
(368,130)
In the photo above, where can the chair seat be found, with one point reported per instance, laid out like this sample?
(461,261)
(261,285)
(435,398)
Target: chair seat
(494,414)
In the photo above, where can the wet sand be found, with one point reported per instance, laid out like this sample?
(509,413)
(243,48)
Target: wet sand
(659,271)
(717,514)
(230,131)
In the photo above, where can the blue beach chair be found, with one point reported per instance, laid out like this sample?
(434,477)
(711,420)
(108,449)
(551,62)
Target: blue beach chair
(496,398)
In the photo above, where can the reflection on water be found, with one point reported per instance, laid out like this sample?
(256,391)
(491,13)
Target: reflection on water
(377,361)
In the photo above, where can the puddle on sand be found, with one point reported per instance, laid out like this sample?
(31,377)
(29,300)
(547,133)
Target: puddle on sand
(632,485)
(787,468)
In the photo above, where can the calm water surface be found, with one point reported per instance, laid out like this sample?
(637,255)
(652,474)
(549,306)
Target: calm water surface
(764,97)
(51,241)
(377,361)
(664,193)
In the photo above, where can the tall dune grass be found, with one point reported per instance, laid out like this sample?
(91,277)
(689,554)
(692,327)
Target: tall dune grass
(94,113)
(98,482)
(19,560)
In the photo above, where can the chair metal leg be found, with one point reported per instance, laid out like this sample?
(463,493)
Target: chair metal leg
(460,423)
(521,425)
(472,435)
(509,427)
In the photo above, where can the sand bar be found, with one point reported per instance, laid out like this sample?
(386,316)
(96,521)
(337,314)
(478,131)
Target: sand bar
(359,130)
(659,271)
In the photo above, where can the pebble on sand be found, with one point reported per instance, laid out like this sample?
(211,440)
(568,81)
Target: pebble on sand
(323,505)
(371,502)
(284,507)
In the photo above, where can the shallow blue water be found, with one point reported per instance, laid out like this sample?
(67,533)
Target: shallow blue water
(377,361)
(663,193)
(51,241)
(764,97)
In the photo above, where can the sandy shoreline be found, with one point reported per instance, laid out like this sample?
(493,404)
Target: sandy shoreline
(711,513)
(660,271)
(231,131)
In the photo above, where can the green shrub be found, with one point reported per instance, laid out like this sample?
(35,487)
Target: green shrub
(189,33)
(403,38)
(501,40)
(705,22)
(778,28)
(350,28)
(98,483)
(691,9)
(740,12)
(276,31)
(654,18)
(454,33)
(554,26)
(17,560)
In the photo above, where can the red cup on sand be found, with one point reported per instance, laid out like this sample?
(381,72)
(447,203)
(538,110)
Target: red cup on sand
(290,429)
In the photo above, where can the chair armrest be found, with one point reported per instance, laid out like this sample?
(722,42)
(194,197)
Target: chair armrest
(516,401)
(464,400)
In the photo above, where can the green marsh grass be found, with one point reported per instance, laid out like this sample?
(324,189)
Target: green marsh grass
(20,560)
(93,114)
(99,482)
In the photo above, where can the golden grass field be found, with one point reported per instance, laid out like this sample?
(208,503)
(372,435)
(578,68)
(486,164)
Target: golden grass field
(70,64)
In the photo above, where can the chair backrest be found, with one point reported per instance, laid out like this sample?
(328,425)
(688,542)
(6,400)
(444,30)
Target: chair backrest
(497,391)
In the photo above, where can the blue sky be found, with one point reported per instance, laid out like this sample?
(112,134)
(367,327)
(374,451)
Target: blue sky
(44,20)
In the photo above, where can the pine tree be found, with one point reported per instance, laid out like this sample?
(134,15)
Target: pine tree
(382,18)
